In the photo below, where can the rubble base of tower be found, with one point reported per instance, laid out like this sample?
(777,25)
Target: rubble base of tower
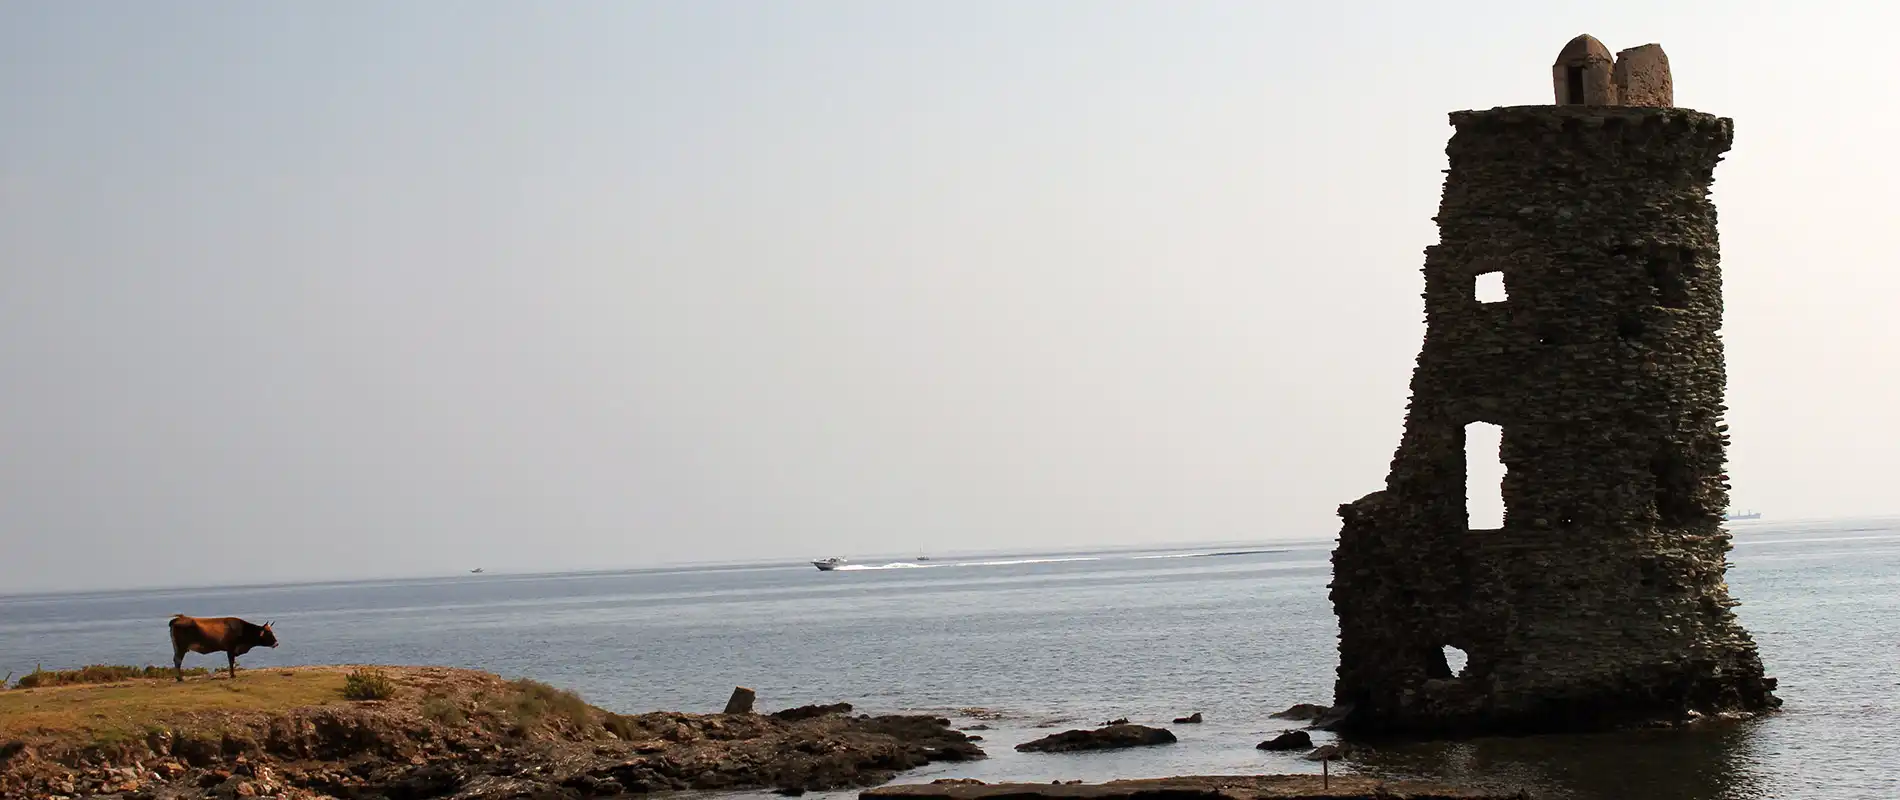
(1560,634)
(1667,696)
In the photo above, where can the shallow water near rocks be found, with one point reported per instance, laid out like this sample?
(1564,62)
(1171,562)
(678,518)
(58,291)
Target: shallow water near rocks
(1042,644)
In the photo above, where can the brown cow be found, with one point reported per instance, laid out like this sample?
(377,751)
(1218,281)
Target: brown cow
(228,635)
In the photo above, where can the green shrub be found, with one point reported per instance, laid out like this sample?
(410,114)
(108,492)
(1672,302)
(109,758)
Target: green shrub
(535,700)
(368,684)
(443,711)
(95,673)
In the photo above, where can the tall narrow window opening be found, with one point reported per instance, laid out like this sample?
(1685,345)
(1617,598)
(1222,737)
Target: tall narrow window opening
(1672,285)
(1675,489)
(1488,287)
(1484,476)
(1573,88)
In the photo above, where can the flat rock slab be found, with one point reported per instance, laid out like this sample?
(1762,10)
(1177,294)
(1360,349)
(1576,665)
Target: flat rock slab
(1115,736)
(1232,787)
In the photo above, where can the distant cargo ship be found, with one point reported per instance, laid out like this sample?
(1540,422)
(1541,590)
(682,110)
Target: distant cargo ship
(1743,515)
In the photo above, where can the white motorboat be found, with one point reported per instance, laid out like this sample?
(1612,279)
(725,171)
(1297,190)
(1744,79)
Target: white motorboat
(828,564)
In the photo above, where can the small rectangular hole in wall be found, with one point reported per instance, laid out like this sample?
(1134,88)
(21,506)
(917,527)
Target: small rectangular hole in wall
(1489,288)
(1573,85)
(1484,476)
(1673,271)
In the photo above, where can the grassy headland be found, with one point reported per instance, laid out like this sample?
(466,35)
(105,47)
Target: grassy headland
(75,712)
(310,732)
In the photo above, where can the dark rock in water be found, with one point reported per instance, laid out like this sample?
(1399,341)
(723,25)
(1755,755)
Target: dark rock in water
(1121,721)
(741,701)
(978,727)
(1336,750)
(790,791)
(961,751)
(807,712)
(1191,719)
(956,782)
(1107,738)
(1334,718)
(1301,711)
(1287,740)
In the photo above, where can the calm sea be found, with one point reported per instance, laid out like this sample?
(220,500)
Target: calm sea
(1055,640)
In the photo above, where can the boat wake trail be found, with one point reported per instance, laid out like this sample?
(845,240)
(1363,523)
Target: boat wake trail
(1019,561)
(1207,555)
(1014,562)
(913,565)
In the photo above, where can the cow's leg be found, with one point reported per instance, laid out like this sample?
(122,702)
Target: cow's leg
(178,662)
(233,657)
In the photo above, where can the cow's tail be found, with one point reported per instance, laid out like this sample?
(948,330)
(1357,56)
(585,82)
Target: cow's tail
(175,619)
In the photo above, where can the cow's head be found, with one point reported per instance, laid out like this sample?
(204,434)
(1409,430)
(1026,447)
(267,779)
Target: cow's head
(267,637)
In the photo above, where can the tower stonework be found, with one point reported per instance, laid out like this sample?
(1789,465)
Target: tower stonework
(1601,600)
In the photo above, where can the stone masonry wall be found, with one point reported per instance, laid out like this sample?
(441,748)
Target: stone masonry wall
(1641,75)
(1602,601)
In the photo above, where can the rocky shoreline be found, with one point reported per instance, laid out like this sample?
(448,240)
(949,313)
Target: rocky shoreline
(442,733)
(408,733)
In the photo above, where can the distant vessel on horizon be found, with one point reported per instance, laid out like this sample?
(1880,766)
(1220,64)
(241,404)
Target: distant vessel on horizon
(476,571)
(827,564)
(1743,515)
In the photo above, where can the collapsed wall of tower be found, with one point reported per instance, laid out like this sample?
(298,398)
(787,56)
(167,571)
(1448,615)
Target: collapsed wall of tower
(1601,601)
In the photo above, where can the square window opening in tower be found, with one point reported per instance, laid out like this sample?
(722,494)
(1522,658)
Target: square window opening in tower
(1484,476)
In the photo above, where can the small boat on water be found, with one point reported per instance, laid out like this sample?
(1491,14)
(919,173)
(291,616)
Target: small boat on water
(828,564)
(476,571)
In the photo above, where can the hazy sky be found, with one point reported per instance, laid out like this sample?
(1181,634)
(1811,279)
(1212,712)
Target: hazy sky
(338,289)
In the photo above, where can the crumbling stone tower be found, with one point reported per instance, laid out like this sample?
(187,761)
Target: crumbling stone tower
(1601,600)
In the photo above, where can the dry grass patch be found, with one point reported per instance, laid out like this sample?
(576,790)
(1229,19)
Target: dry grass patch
(103,712)
(535,702)
(443,710)
(623,727)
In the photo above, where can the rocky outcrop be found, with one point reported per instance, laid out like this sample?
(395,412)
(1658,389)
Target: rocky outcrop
(1236,787)
(1111,737)
(809,712)
(741,701)
(1287,740)
(1191,719)
(1301,711)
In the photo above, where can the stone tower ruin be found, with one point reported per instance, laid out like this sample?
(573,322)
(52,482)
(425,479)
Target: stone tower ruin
(1600,601)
